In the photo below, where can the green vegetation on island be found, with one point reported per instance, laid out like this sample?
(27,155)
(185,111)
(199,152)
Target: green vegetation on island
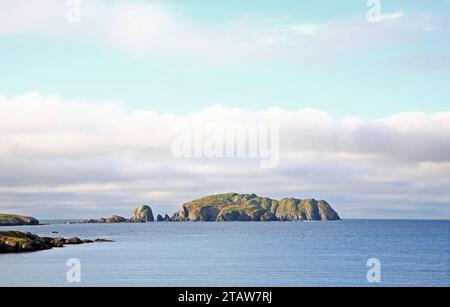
(250,207)
(17,220)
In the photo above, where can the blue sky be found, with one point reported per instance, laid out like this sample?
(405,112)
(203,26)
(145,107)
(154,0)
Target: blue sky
(370,82)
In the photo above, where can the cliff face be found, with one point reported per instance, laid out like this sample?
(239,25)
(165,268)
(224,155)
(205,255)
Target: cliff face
(250,207)
(17,220)
(142,214)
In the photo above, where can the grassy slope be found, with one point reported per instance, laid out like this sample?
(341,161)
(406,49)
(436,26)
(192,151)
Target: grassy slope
(13,218)
(253,204)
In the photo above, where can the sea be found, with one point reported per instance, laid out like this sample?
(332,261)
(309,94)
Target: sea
(367,253)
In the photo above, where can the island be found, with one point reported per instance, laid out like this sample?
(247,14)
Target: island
(141,214)
(227,207)
(17,220)
(231,207)
(19,242)
(250,207)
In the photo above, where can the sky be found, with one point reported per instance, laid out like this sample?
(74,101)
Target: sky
(89,103)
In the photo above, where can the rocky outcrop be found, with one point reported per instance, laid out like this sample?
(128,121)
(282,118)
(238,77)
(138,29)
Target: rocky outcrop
(142,214)
(110,220)
(250,207)
(236,207)
(17,220)
(18,242)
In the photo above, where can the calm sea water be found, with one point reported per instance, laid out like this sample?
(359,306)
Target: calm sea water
(412,253)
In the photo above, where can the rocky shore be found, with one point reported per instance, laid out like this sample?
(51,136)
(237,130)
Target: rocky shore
(19,242)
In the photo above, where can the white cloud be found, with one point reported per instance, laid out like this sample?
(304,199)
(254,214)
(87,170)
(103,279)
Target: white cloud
(63,158)
(306,28)
(147,29)
(390,16)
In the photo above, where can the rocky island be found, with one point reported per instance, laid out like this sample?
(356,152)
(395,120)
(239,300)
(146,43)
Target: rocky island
(17,220)
(19,242)
(231,207)
(250,207)
(141,214)
(226,207)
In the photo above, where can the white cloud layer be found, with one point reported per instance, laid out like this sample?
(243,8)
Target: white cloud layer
(144,28)
(67,159)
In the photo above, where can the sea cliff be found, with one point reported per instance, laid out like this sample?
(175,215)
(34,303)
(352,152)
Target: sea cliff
(250,207)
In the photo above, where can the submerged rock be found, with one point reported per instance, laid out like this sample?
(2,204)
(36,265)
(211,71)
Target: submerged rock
(102,240)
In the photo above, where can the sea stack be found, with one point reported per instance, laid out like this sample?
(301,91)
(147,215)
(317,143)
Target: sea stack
(142,214)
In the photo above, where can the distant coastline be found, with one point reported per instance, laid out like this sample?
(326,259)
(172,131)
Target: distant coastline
(227,207)
(233,207)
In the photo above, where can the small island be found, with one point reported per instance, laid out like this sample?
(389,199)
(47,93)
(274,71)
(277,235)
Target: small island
(19,242)
(230,207)
(17,220)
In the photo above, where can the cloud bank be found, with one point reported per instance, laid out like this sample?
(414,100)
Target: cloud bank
(69,158)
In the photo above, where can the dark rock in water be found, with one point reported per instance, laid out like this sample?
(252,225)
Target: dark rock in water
(167,218)
(250,207)
(58,242)
(17,220)
(74,240)
(18,242)
(142,214)
(102,240)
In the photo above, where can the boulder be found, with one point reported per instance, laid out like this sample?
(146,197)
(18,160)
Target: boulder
(73,240)
(167,218)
